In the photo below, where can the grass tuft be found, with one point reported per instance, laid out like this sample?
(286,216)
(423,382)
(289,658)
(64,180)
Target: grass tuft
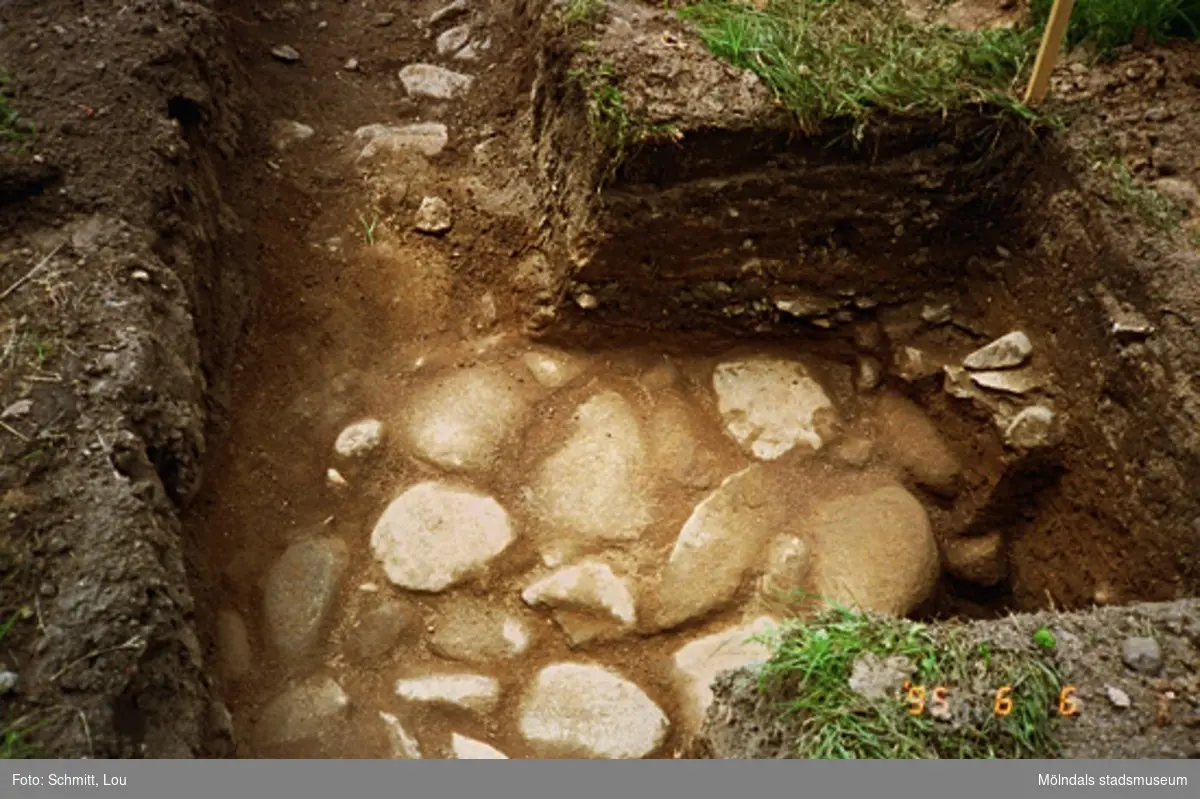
(582,12)
(14,128)
(851,59)
(1155,209)
(614,130)
(1109,24)
(812,662)
(15,735)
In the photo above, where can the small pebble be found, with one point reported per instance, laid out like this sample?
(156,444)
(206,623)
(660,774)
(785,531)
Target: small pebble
(1117,697)
(1142,655)
(351,65)
(286,53)
(8,682)
(383,19)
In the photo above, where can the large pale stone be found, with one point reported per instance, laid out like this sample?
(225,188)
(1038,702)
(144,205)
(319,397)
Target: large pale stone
(435,535)
(302,712)
(678,453)
(300,591)
(474,631)
(594,486)
(911,441)
(720,542)
(460,420)
(404,745)
(874,551)
(359,439)
(473,692)
(698,663)
(552,370)
(438,83)
(589,601)
(585,711)
(465,748)
(426,138)
(377,630)
(1005,352)
(770,406)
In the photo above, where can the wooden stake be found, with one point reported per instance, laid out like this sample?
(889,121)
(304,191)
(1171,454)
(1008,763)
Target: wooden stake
(1047,55)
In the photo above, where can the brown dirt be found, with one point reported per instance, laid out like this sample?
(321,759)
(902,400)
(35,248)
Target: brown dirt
(138,382)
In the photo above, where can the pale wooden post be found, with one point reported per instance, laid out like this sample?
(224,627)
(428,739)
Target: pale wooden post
(1056,27)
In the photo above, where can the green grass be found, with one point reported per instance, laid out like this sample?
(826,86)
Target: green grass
(812,662)
(1109,24)
(13,127)
(1155,209)
(15,735)
(850,59)
(581,12)
(614,130)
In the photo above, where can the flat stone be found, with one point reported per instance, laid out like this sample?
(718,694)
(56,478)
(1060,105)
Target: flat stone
(433,216)
(300,591)
(302,712)
(404,745)
(378,630)
(233,645)
(910,439)
(287,132)
(1033,427)
(977,559)
(286,53)
(594,487)
(1018,381)
(1010,350)
(438,83)
(460,420)
(473,692)
(457,8)
(434,536)
(913,365)
(770,406)
(425,138)
(937,314)
(383,19)
(874,551)
(359,439)
(716,548)
(552,370)
(589,601)
(698,663)
(1117,697)
(476,632)
(465,748)
(1143,655)
(453,39)
(877,678)
(18,409)
(577,710)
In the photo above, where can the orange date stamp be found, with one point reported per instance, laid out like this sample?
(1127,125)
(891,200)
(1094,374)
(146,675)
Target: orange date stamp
(918,698)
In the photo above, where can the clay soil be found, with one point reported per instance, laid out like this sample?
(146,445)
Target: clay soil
(203,308)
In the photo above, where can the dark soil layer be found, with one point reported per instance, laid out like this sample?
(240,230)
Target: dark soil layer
(1160,721)
(118,342)
(718,218)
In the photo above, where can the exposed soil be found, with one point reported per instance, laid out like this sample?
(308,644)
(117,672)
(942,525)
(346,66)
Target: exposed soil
(138,349)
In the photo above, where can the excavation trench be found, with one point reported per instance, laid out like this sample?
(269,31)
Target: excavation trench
(558,457)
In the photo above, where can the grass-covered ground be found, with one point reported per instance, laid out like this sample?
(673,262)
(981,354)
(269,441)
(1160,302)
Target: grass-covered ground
(851,59)
(998,704)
